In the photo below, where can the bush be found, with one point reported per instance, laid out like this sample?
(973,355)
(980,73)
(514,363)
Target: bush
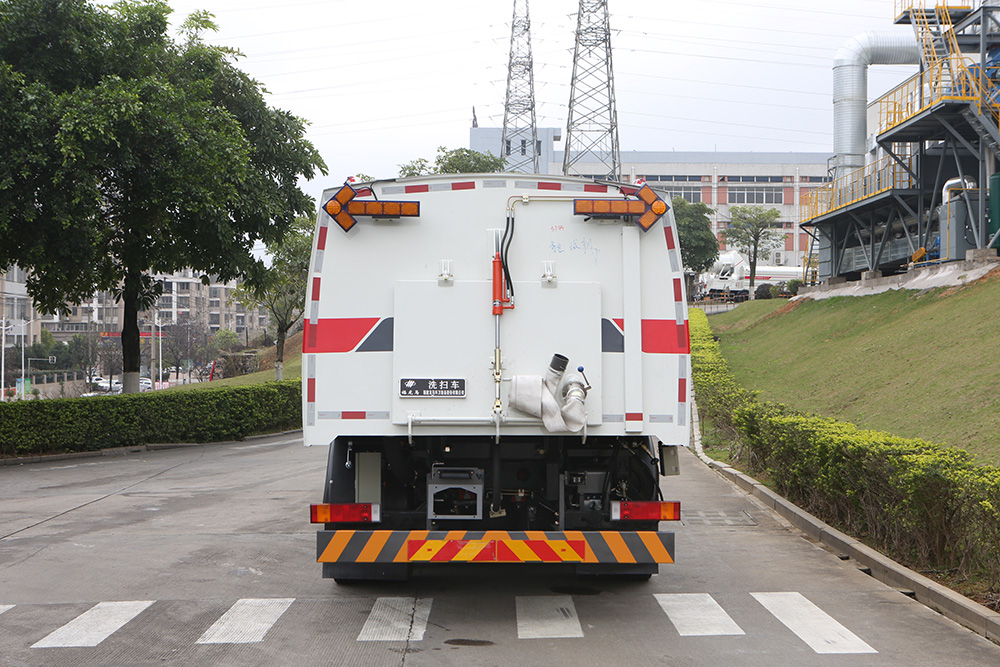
(793,286)
(924,504)
(762,291)
(29,428)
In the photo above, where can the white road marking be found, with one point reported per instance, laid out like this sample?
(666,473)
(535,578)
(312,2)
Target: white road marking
(697,615)
(397,619)
(547,617)
(813,626)
(5,607)
(246,622)
(94,625)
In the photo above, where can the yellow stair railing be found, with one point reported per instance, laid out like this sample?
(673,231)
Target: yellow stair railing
(872,179)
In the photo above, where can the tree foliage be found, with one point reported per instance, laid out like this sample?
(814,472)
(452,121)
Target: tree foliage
(455,161)
(699,246)
(283,293)
(753,231)
(124,152)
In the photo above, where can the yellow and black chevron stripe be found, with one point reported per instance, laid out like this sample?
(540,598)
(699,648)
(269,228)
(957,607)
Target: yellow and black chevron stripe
(493,546)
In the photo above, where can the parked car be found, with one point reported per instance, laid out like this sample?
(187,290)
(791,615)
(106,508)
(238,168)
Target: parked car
(111,386)
(145,384)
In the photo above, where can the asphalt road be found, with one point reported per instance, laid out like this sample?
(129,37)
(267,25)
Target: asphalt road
(204,555)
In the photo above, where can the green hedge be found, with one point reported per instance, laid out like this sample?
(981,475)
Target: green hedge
(29,428)
(924,504)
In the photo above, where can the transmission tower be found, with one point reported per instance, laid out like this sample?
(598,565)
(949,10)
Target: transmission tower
(592,121)
(519,142)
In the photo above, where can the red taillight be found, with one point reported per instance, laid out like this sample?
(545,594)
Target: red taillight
(645,510)
(346,513)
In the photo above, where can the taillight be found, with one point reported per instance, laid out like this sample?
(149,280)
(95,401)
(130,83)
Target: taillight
(645,510)
(346,513)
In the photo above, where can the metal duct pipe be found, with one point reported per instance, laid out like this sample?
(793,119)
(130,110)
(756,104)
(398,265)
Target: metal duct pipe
(850,89)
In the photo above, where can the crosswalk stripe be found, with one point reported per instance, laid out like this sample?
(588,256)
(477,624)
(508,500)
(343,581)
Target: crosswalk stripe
(396,619)
(94,625)
(247,621)
(697,615)
(547,617)
(813,626)
(5,607)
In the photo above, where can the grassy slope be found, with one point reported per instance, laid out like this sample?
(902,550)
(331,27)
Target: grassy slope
(915,364)
(292,370)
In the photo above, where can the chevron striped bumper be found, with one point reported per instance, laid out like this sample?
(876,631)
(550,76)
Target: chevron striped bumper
(460,546)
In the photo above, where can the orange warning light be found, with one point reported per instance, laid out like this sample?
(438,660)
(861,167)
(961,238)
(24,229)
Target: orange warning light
(649,207)
(344,209)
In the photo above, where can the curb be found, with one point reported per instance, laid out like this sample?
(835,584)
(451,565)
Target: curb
(121,451)
(109,451)
(971,614)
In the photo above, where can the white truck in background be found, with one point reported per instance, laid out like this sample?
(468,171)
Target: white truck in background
(500,366)
(730,277)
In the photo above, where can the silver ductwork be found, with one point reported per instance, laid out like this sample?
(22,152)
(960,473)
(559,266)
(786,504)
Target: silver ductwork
(850,89)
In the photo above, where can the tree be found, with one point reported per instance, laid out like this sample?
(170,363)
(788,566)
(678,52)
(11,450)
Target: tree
(456,161)
(124,152)
(83,351)
(752,230)
(283,293)
(110,356)
(699,246)
(180,343)
(227,340)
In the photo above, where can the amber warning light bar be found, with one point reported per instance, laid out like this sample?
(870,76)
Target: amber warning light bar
(345,210)
(647,209)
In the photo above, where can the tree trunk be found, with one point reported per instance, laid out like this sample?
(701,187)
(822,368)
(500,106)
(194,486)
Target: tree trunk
(131,355)
(279,358)
(753,274)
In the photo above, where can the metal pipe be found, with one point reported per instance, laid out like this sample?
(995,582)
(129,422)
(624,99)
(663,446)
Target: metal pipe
(850,89)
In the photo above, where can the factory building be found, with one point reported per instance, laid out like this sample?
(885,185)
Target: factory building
(717,179)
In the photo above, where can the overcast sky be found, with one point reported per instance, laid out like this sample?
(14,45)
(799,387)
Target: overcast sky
(388,81)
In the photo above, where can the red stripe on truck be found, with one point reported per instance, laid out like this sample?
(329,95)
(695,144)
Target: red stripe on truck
(633,416)
(670,237)
(549,186)
(311,390)
(682,390)
(315,292)
(465,185)
(339,334)
(321,242)
(664,337)
(352,415)
(416,188)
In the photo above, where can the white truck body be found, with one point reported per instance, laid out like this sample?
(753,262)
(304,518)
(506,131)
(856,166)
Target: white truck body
(731,275)
(401,338)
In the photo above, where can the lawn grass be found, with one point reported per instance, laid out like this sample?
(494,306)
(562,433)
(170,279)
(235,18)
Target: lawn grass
(916,364)
(292,371)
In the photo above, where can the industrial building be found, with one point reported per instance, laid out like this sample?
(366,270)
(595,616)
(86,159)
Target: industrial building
(914,171)
(717,179)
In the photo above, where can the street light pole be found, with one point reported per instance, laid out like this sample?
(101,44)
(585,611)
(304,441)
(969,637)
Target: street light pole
(3,353)
(159,354)
(24,339)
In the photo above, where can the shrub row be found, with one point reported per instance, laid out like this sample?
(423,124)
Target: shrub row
(29,428)
(924,504)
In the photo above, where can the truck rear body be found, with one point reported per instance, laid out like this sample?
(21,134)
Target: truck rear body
(500,366)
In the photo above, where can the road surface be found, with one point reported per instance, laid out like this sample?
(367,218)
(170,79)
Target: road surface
(204,555)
